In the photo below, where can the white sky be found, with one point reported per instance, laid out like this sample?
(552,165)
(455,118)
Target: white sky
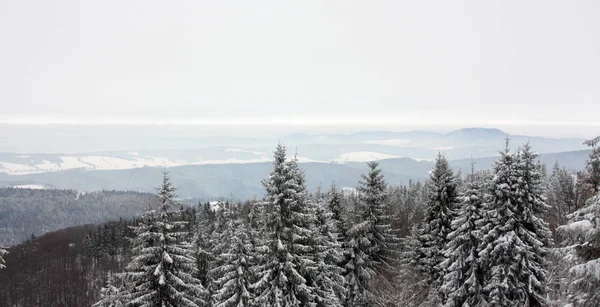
(459,63)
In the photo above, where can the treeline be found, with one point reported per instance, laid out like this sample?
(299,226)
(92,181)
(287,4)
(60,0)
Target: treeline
(24,212)
(513,236)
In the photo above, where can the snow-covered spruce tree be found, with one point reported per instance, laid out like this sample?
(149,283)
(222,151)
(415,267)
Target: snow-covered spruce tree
(374,207)
(256,229)
(499,242)
(202,244)
(515,237)
(142,245)
(232,276)
(324,276)
(3,253)
(110,296)
(581,240)
(162,269)
(534,232)
(413,289)
(338,214)
(224,215)
(581,243)
(370,245)
(439,213)
(284,267)
(463,280)
(592,170)
(561,196)
(257,216)
(328,277)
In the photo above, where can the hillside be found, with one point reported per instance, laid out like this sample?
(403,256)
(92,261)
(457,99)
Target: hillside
(65,267)
(338,148)
(243,180)
(26,212)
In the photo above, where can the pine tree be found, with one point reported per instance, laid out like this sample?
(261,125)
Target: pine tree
(110,296)
(439,213)
(283,273)
(163,267)
(232,276)
(515,237)
(370,244)
(3,253)
(463,279)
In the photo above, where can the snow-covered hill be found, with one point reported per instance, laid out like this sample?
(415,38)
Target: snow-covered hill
(357,147)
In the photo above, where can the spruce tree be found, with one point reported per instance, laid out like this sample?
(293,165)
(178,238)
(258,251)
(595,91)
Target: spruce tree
(496,249)
(202,243)
(439,213)
(323,275)
(561,196)
(463,279)
(359,265)
(327,277)
(163,269)
(232,276)
(370,244)
(374,207)
(534,231)
(283,272)
(257,229)
(581,240)
(515,237)
(338,214)
(592,170)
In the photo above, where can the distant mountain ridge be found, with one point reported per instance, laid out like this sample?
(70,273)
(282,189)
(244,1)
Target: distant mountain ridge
(243,180)
(339,148)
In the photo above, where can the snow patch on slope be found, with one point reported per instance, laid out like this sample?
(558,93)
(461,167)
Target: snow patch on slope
(88,163)
(99,162)
(31,186)
(15,168)
(362,156)
(258,153)
(230,161)
(389,142)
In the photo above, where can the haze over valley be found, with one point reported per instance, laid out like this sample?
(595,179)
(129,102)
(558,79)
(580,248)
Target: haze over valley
(204,170)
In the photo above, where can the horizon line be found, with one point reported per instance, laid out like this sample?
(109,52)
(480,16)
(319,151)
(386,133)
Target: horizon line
(277,121)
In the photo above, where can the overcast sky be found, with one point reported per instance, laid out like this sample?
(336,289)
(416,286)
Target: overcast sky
(460,63)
